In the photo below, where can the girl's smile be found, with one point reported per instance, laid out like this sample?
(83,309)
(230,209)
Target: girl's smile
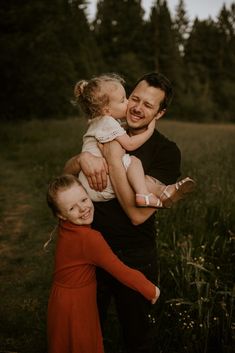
(75,205)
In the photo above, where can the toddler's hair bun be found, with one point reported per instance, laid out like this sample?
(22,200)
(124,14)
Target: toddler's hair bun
(79,88)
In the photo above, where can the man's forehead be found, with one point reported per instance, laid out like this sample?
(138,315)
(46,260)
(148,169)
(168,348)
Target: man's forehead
(146,92)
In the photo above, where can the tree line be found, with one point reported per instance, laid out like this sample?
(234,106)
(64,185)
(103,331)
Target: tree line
(46,46)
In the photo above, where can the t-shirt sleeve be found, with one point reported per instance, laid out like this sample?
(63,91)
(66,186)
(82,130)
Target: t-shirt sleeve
(109,130)
(100,254)
(167,165)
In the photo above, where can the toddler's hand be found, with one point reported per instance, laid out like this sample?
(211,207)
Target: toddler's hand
(153,301)
(152,125)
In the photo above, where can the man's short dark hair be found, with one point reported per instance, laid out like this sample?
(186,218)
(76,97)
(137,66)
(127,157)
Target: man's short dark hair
(158,80)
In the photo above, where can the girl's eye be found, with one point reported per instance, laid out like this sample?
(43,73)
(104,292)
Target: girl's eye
(85,199)
(71,209)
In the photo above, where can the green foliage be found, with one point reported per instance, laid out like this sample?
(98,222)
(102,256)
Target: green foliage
(181,26)
(45,57)
(47,46)
(195,312)
(120,39)
(198,253)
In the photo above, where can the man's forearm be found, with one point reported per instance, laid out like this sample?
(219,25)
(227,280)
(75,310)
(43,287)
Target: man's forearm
(94,168)
(72,166)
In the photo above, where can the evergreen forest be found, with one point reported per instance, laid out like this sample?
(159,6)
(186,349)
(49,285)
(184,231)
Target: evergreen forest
(46,46)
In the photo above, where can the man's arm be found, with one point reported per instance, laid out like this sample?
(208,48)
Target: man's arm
(113,153)
(72,166)
(95,169)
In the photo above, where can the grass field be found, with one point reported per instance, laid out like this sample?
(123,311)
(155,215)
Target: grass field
(196,239)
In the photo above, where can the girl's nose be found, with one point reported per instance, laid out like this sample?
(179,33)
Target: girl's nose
(81,208)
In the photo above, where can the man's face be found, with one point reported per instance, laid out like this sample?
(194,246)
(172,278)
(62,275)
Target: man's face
(143,107)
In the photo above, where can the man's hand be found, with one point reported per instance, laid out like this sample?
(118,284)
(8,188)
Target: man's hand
(111,151)
(95,169)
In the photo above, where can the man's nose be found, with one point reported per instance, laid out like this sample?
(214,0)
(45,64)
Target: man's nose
(137,106)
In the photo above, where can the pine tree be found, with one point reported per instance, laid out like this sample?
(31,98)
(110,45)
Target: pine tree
(202,64)
(46,46)
(118,27)
(163,50)
(181,26)
(225,85)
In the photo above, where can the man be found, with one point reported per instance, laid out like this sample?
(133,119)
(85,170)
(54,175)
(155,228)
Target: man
(130,231)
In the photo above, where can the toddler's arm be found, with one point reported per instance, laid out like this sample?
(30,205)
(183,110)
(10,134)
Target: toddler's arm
(131,143)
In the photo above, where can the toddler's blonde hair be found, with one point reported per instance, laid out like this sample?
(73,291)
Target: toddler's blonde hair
(90,94)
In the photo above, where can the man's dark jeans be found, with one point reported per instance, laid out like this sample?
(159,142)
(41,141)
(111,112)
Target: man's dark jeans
(135,313)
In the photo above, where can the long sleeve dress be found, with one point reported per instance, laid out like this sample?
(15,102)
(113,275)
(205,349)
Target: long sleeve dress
(73,319)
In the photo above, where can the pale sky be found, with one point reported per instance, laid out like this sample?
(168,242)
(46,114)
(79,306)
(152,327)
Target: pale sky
(200,8)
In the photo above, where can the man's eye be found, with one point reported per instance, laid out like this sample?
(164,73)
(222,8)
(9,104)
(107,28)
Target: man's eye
(85,199)
(71,209)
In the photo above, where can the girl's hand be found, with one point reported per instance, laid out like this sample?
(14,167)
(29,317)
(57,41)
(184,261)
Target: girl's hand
(153,301)
(152,125)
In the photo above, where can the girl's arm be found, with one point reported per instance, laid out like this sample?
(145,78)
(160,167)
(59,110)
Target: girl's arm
(131,143)
(106,259)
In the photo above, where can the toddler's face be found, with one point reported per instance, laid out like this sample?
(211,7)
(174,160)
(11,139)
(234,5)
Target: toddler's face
(117,100)
(75,205)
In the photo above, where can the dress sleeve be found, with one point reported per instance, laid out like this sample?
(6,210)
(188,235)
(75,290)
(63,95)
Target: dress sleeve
(109,130)
(100,254)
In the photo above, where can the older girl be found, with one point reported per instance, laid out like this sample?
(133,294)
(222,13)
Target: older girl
(73,320)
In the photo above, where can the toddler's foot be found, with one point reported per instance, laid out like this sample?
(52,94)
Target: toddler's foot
(175,192)
(153,301)
(149,200)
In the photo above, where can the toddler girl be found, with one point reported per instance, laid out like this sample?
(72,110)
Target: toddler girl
(73,320)
(103,100)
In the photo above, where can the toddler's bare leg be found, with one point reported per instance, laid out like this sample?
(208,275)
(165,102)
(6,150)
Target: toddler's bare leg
(137,180)
(170,194)
(154,185)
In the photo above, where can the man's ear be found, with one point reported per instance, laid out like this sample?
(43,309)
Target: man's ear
(160,114)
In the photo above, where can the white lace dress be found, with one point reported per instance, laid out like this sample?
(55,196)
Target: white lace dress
(102,129)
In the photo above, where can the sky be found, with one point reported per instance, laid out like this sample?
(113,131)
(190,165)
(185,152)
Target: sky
(200,8)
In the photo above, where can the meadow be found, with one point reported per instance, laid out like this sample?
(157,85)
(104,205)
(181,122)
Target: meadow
(196,238)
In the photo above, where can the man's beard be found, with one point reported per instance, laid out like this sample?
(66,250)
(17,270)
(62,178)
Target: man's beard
(135,130)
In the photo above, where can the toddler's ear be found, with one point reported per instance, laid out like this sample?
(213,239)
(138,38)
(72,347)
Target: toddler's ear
(106,111)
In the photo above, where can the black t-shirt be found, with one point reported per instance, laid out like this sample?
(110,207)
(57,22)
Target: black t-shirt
(161,160)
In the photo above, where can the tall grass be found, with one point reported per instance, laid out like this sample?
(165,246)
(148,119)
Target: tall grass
(195,239)
(196,245)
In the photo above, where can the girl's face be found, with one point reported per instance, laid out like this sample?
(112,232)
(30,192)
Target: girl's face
(75,205)
(117,101)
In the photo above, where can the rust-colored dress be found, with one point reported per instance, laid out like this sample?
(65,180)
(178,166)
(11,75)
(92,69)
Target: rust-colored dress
(73,320)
